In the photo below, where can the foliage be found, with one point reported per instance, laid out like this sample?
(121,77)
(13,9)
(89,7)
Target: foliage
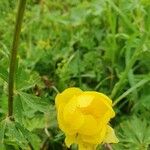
(134,133)
(101,45)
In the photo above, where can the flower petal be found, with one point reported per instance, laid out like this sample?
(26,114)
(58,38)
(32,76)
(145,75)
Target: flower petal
(101,96)
(110,136)
(72,116)
(89,126)
(64,125)
(86,146)
(84,100)
(95,139)
(66,95)
(100,105)
(70,139)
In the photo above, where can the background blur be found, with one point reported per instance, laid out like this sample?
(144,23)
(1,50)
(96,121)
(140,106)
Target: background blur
(101,45)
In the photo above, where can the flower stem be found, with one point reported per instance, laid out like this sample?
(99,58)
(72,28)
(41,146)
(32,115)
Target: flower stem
(13,56)
(108,147)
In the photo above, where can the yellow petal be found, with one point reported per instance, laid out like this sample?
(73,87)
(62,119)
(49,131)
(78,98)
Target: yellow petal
(89,126)
(74,120)
(100,105)
(95,139)
(110,136)
(84,100)
(70,139)
(101,96)
(62,124)
(60,119)
(72,116)
(66,95)
(86,146)
(104,119)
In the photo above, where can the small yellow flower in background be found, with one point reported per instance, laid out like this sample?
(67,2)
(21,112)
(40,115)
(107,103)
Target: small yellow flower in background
(84,116)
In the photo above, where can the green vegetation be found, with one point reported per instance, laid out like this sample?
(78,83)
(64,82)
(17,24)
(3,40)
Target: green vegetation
(101,45)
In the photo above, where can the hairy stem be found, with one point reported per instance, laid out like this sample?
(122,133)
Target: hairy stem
(13,56)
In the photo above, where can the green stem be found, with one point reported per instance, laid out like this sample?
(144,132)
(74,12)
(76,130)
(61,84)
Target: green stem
(13,56)
(133,88)
(120,83)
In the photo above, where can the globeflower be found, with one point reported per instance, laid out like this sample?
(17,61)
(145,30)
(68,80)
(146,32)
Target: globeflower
(84,118)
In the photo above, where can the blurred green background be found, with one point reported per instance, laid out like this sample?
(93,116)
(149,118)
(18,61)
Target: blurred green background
(101,45)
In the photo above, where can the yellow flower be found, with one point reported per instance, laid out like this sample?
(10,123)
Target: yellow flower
(84,116)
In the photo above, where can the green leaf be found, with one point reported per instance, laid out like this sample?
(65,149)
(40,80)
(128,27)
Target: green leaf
(34,102)
(2,131)
(25,79)
(2,146)
(31,138)
(51,117)
(40,121)
(3,74)
(3,103)
(13,135)
(2,134)
(24,131)
(134,134)
(18,109)
(143,103)
(37,122)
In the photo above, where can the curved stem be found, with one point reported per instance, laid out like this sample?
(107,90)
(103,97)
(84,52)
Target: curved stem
(122,80)
(133,88)
(13,56)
